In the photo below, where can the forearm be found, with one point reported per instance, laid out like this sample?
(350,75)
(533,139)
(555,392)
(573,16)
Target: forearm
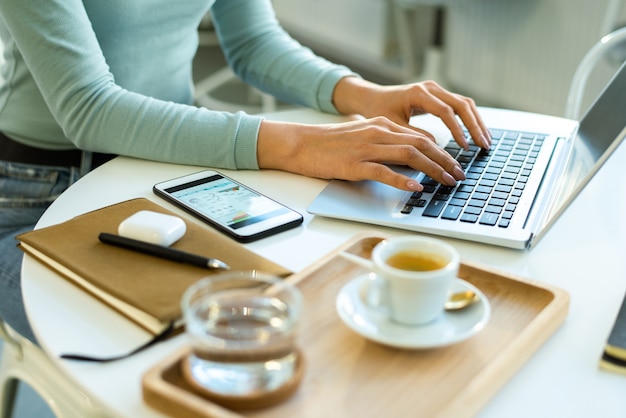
(266,57)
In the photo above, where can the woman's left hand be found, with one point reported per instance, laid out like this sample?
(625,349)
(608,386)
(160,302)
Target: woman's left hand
(399,102)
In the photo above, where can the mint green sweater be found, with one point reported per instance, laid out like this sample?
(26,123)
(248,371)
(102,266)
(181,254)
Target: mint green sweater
(114,76)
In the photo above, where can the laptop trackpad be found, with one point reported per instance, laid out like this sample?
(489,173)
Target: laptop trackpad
(360,199)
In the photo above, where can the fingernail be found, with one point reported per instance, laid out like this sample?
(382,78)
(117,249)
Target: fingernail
(448,179)
(415,186)
(465,144)
(486,143)
(458,173)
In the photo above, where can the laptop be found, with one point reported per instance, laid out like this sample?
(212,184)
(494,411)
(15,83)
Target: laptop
(513,193)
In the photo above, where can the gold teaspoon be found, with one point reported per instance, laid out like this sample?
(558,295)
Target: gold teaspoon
(461,300)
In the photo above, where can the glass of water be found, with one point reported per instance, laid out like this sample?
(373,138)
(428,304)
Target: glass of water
(242,327)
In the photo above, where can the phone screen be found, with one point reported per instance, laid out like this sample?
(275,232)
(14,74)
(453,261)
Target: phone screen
(227,202)
(235,209)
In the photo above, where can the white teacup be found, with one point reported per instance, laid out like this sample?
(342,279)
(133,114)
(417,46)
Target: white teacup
(412,278)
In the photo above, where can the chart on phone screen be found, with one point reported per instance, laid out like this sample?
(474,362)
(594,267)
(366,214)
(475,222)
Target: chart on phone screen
(228,203)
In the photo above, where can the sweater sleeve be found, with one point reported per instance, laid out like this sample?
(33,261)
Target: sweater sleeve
(264,55)
(56,43)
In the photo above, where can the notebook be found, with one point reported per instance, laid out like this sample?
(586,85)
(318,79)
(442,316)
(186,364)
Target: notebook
(513,193)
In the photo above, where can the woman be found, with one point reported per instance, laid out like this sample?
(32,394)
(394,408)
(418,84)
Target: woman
(114,77)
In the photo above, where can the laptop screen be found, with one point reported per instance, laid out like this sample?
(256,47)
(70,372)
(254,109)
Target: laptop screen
(605,119)
(601,130)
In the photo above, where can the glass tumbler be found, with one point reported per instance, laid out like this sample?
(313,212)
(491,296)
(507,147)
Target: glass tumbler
(242,327)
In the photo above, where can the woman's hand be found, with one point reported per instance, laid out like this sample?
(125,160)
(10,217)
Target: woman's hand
(398,103)
(356,150)
(360,150)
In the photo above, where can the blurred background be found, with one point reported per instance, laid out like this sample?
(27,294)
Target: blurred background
(518,54)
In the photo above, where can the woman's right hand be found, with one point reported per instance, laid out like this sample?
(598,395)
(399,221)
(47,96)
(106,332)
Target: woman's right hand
(355,150)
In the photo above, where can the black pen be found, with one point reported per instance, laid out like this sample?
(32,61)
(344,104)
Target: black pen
(162,252)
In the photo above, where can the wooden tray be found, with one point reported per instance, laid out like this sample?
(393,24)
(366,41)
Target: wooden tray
(349,376)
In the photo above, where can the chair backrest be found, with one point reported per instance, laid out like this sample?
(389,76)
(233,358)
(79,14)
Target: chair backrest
(577,89)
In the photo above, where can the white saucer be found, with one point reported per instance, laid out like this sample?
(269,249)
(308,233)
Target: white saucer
(449,328)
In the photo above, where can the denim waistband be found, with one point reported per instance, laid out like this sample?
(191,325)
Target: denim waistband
(13,151)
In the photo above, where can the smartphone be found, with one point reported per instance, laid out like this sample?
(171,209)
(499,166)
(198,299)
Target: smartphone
(229,206)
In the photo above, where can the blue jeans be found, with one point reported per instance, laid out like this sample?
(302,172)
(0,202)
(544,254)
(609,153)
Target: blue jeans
(26,191)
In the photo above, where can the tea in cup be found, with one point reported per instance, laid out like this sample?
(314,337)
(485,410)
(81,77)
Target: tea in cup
(412,278)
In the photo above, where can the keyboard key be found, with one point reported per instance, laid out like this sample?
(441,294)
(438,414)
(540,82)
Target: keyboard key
(480,196)
(493,209)
(489,219)
(473,210)
(451,212)
(457,202)
(420,203)
(504,189)
(476,203)
(483,189)
(466,217)
(434,208)
(508,175)
(497,202)
(487,183)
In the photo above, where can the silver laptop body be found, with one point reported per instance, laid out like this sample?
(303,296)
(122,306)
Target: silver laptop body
(554,159)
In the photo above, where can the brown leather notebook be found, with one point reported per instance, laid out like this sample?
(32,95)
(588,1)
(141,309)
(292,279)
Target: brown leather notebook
(144,288)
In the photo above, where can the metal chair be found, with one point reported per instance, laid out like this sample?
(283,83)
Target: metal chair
(23,361)
(586,66)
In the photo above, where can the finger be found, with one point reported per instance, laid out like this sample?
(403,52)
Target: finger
(384,174)
(484,130)
(438,164)
(420,153)
(447,115)
(429,97)
(424,133)
(468,112)
(450,105)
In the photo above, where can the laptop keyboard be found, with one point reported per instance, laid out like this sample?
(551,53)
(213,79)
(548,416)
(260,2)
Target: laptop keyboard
(495,181)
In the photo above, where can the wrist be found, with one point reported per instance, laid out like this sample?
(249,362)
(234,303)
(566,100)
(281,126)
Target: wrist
(278,144)
(350,95)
